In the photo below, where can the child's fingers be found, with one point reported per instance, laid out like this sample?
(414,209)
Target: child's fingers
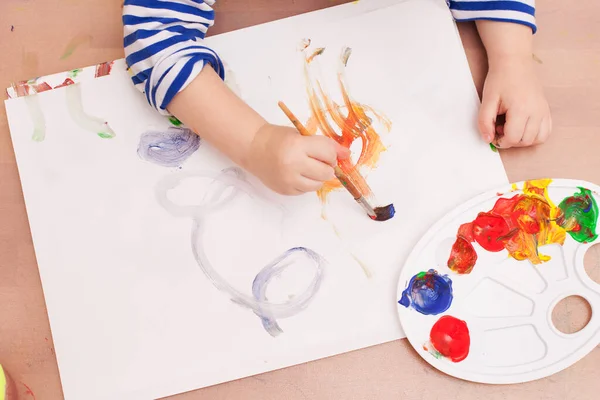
(487,117)
(513,129)
(317,170)
(304,185)
(532,130)
(342,152)
(322,148)
(545,128)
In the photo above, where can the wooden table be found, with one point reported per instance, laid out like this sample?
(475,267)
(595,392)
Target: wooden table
(39,37)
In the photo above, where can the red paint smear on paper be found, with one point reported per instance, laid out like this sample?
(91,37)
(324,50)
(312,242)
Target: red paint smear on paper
(67,82)
(104,69)
(21,88)
(41,87)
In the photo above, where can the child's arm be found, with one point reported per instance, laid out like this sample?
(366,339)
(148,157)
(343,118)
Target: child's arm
(511,87)
(165,52)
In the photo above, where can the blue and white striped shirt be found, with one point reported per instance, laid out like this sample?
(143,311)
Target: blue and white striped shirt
(163,39)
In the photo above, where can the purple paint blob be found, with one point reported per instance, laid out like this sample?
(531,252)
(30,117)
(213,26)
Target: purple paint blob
(169,148)
(428,293)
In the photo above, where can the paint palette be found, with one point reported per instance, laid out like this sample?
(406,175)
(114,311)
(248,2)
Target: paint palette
(476,295)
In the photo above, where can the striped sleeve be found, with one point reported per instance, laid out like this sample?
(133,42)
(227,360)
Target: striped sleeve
(517,11)
(163,41)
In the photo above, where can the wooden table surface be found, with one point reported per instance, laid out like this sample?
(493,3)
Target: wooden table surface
(39,37)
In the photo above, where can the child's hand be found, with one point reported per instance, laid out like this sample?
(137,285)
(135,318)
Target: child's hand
(291,164)
(511,88)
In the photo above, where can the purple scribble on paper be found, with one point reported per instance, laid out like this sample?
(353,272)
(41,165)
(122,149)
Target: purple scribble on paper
(169,148)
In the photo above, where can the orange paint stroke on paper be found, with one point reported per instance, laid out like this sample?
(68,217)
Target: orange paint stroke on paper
(346,121)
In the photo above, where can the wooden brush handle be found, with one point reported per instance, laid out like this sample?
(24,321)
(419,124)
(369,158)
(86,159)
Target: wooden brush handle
(343,178)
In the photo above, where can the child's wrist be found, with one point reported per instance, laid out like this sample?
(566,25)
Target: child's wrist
(506,42)
(507,59)
(248,156)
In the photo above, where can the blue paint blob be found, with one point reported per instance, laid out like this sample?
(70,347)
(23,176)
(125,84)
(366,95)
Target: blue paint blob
(384,213)
(168,148)
(392,211)
(428,293)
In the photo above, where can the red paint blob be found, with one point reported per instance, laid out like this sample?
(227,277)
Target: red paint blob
(450,337)
(489,230)
(462,257)
(466,232)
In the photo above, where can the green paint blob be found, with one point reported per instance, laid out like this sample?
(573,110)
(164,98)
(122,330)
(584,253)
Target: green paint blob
(106,135)
(580,216)
(421,275)
(494,148)
(73,74)
(174,121)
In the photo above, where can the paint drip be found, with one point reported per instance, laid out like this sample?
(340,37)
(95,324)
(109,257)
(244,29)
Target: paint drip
(170,148)
(524,223)
(83,119)
(363,265)
(449,338)
(429,293)
(37,118)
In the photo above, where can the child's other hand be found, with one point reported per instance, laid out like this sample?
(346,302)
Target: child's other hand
(291,164)
(512,88)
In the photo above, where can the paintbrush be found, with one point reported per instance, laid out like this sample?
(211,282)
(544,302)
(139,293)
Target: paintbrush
(375,213)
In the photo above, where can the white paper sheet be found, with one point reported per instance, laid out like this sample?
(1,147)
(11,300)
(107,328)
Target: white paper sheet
(133,316)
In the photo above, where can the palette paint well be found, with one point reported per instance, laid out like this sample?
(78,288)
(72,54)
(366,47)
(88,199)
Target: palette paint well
(476,295)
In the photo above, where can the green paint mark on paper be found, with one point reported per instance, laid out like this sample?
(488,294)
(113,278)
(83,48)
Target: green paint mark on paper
(580,216)
(106,135)
(37,116)
(84,120)
(174,121)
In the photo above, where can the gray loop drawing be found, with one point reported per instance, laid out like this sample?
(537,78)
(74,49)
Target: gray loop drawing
(233,179)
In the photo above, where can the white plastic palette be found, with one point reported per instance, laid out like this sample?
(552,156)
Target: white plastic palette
(506,304)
